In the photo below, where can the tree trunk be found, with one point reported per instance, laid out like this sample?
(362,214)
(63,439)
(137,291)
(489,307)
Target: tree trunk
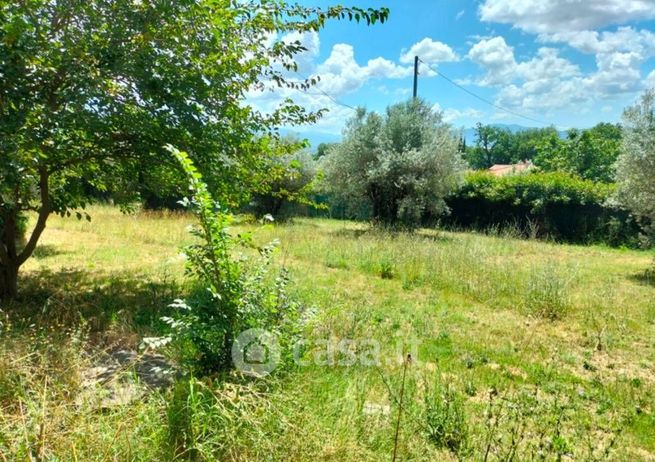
(8,281)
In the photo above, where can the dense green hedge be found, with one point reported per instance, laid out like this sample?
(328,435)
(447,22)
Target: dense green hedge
(555,205)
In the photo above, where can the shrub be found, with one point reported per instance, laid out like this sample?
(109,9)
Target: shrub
(547,294)
(555,205)
(234,292)
(446,422)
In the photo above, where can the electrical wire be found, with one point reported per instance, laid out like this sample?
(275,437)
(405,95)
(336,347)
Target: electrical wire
(484,100)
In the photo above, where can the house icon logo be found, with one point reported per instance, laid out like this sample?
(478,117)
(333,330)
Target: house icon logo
(256,352)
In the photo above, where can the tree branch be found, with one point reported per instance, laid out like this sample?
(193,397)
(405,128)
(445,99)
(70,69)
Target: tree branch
(44,212)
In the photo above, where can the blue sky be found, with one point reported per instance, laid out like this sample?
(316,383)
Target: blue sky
(570,63)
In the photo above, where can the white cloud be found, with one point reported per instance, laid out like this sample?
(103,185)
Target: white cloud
(459,15)
(430,51)
(547,65)
(619,57)
(553,16)
(451,115)
(340,73)
(547,81)
(594,42)
(497,58)
(311,42)
(617,73)
(650,80)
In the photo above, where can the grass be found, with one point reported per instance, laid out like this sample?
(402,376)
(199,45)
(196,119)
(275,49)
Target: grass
(527,349)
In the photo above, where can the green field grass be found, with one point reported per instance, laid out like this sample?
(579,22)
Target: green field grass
(526,349)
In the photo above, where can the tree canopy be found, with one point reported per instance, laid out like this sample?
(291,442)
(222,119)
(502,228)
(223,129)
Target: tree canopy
(636,163)
(498,145)
(400,164)
(590,154)
(90,92)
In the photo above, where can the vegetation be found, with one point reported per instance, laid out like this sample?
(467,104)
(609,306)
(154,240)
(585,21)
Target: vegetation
(636,165)
(367,341)
(290,180)
(88,107)
(590,154)
(555,205)
(400,165)
(492,374)
(234,293)
(498,145)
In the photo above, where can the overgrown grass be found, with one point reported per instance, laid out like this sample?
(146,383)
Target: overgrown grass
(526,348)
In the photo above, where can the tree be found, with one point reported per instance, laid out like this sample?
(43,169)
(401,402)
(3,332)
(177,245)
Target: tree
(636,163)
(289,178)
(323,148)
(91,90)
(401,164)
(498,145)
(590,154)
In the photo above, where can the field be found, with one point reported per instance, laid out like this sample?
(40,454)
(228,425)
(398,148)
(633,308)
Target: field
(527,350)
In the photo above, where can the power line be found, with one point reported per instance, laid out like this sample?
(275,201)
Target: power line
(334,100)
(484,100)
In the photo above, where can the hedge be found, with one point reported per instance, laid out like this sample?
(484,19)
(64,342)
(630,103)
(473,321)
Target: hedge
(554,205)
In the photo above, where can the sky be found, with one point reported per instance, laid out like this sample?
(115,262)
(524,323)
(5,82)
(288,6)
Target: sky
(567,63)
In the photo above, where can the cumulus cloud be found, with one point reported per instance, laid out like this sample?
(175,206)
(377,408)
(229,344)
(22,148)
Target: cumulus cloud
(594,42)
(617,73)
(451,115)
(547,81)
(430,51)
(497,58)
(340,73)
(554,16)
(547,65)
(650,80)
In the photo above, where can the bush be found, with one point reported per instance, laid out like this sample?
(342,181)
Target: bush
(446,421)
(234,292)
(547,294)
(555,205)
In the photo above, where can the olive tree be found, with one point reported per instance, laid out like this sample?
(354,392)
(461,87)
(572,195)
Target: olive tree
(90,91)
(401,164)
(636,163)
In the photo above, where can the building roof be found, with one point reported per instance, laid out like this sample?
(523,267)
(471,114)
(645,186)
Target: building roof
(510,169)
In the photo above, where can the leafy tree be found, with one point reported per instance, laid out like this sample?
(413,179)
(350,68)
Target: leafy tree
(498,145)
(91,90)
(401,164)
(289,178)
(323,148)
(636,164)
(591,153)
(490,146)
(524,143)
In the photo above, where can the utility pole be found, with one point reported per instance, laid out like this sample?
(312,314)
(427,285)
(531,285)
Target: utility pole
(415,76)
